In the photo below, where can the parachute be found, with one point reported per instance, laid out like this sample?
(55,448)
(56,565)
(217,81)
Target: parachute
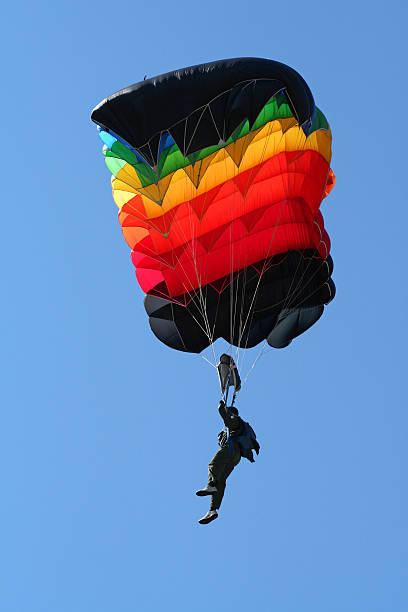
(219,171)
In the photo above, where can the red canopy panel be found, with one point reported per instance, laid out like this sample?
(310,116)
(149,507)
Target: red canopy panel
(284,227)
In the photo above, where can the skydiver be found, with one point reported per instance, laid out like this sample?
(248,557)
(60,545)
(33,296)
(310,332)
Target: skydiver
(239,442)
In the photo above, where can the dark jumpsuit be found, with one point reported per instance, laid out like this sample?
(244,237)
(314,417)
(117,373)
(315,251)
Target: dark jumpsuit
(229,455)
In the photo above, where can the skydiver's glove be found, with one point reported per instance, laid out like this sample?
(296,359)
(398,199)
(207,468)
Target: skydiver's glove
(221,404)
(222,438)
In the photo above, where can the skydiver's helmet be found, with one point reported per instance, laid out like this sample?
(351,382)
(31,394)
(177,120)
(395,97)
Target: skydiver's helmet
(233,410)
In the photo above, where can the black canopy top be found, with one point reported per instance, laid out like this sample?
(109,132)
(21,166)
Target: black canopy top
(200,105)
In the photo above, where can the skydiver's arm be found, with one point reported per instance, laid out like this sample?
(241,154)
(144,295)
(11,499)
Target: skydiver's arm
(232,421)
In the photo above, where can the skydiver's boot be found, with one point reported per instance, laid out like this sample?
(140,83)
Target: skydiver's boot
(210,489)
(207,518)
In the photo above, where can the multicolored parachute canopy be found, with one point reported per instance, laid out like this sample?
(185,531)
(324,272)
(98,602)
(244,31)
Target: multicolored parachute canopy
(218,171)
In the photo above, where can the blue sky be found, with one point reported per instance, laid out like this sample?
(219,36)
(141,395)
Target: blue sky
(106,433)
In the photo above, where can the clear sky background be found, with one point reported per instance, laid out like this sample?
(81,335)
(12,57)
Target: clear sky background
(106,433)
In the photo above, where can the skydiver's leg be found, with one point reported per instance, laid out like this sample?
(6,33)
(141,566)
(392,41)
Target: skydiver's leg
(220,467)
(216,469)
(216,498)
